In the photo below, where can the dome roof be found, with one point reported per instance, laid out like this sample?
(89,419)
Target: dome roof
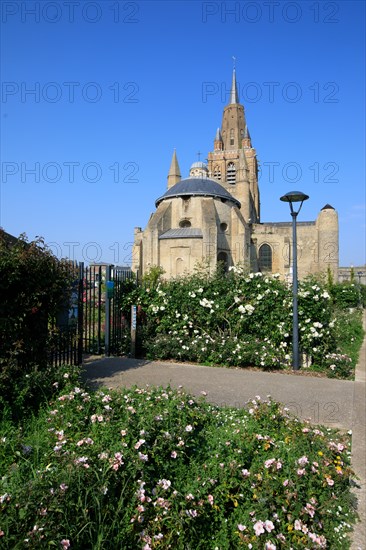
(199,164)
(193,187)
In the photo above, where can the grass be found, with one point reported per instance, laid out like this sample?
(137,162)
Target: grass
(155,468)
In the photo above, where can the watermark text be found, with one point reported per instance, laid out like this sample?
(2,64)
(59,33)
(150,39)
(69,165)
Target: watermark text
(69,92)
(69,11)
(69,172)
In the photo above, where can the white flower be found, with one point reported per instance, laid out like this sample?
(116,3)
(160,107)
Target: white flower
(258,528)
(164,483)
(248,308)
(269,526)
(206,303)
(188,428)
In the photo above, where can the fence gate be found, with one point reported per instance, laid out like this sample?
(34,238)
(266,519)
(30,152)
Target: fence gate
(93,323)
(102,320)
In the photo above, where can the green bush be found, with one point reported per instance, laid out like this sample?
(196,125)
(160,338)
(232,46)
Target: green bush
(346,295)
(34,286)
(155,468)
(239,319)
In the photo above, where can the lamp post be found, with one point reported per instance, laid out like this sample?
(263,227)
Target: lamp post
(291,198)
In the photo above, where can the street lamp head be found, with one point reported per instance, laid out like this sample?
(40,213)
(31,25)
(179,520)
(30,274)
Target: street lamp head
(294,196)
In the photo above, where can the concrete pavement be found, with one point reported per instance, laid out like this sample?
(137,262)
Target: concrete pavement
(333,403)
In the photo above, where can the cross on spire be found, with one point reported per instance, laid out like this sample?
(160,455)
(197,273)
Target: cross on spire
(199,155)
(234,61)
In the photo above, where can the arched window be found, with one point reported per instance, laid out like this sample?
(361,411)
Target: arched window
(232,137)
(231,173)
(223,259)
(265,258)
(217,173)
(185,223)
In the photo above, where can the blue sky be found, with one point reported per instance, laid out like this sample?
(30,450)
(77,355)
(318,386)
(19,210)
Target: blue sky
(118,85)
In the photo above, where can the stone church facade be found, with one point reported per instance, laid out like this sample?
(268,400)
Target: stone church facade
(214,216)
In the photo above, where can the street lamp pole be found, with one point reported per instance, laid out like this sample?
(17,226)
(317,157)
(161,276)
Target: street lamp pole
(292,197)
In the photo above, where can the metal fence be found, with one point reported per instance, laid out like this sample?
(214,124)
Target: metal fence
(93,321)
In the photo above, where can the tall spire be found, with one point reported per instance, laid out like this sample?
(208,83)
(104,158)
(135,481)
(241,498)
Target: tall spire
(218,135)
(218,143)
(246,141)
(234,92)
(174,172)
(233,120)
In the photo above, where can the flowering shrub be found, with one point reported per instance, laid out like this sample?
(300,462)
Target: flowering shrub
(237,319)
(339,365)
(154,468)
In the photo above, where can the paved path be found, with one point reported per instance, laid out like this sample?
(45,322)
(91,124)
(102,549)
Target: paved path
(321,400)
(334,403)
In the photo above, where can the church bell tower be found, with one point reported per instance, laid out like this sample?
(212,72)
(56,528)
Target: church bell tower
(233,162)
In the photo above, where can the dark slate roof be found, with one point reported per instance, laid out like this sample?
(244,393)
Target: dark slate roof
(327,207)
(285,224)
(193,187)
(182,233)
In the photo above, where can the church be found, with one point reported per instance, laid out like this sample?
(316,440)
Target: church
(213,216)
